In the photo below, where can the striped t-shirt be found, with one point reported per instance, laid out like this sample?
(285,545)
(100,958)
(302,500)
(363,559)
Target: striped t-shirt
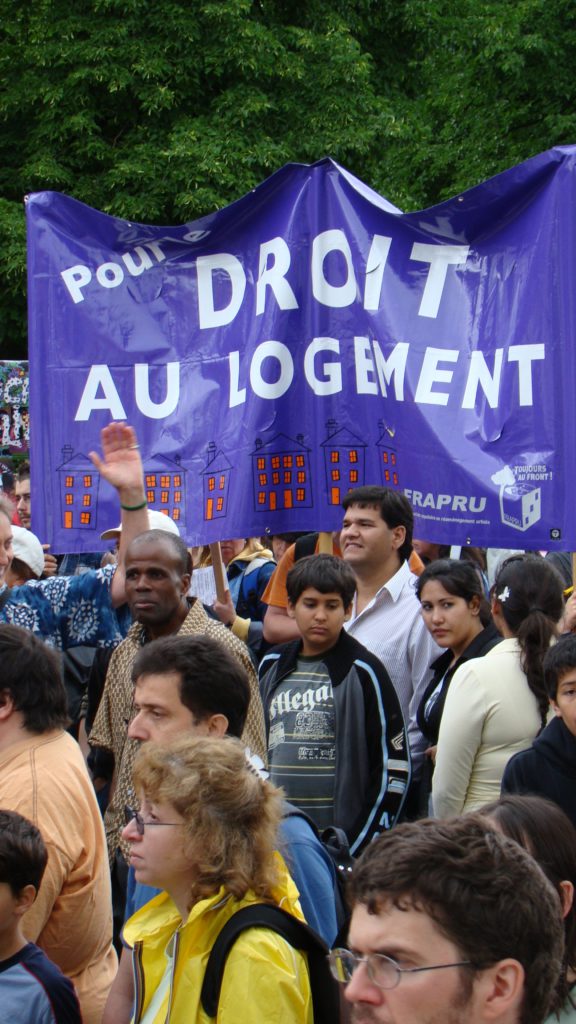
(302,744)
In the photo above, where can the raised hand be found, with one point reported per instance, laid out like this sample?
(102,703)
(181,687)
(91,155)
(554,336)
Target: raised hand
(121,464)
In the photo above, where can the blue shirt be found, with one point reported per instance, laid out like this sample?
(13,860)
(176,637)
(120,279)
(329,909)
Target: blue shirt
(32,988)
(66,611)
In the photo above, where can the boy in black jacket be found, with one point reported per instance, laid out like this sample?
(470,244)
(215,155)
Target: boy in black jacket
(548,767)
(337,741)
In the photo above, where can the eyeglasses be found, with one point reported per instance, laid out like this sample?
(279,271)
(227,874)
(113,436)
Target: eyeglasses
(131,815)
(382,970)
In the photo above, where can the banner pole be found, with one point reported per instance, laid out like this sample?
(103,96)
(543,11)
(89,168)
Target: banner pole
(325,544)
(220,577)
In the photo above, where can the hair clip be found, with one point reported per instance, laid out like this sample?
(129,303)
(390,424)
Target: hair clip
(504,595)
(255,764)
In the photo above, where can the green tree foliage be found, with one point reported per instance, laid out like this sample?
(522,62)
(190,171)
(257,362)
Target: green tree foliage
(163,110)
(492,85)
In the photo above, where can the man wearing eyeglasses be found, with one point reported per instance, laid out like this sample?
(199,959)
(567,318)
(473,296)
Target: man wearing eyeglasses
(452,924)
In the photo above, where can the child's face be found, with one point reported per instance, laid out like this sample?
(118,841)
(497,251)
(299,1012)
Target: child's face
(12,908)
(565,704)
(319,618)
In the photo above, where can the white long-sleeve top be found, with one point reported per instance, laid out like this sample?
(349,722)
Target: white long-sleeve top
(490,714)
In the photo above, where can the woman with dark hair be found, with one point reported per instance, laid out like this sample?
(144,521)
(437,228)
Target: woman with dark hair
(497,704)
(457,615)
(543,829)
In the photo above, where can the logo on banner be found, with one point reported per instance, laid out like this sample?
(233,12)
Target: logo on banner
(520,500)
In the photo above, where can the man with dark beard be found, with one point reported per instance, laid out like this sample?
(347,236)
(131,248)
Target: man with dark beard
(451,924)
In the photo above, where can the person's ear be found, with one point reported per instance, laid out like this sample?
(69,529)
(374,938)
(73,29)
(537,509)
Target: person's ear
(555,708)
(217,725)
(6,705)
(500,991)
(566,897)
(25,899)
(290,610)
(474,605)
(347,613)
(398,536)
(186,580)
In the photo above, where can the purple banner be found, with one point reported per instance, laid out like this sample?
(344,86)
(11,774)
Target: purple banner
(307,339)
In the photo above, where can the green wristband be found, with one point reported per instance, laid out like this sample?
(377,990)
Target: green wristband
(134,508)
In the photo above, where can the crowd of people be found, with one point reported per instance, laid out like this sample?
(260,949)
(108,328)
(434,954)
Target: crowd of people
(343,790)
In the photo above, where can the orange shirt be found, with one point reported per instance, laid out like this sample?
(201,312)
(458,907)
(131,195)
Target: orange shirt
(45,779)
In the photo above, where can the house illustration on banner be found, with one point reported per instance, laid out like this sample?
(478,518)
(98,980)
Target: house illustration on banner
(344,461)
(387,457)
(216,484)
(79,483)
(164,481)
(281,474)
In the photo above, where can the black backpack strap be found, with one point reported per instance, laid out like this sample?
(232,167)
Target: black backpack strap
(4,595)
(305,545)
(325,995)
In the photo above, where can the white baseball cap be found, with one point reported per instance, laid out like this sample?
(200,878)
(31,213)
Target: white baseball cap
(28,549)
(156,521)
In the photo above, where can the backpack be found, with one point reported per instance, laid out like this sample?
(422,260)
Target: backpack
(305,545)
(244,586)
(324,988)
(335,842)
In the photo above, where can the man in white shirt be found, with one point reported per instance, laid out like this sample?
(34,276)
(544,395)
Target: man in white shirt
(376,541)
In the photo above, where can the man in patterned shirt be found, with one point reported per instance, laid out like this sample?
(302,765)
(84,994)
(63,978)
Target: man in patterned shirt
(158,572)
(71,611)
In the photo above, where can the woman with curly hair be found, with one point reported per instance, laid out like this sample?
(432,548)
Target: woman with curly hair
(206,834)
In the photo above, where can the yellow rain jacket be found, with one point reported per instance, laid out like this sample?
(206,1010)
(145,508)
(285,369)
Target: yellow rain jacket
(265,979)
